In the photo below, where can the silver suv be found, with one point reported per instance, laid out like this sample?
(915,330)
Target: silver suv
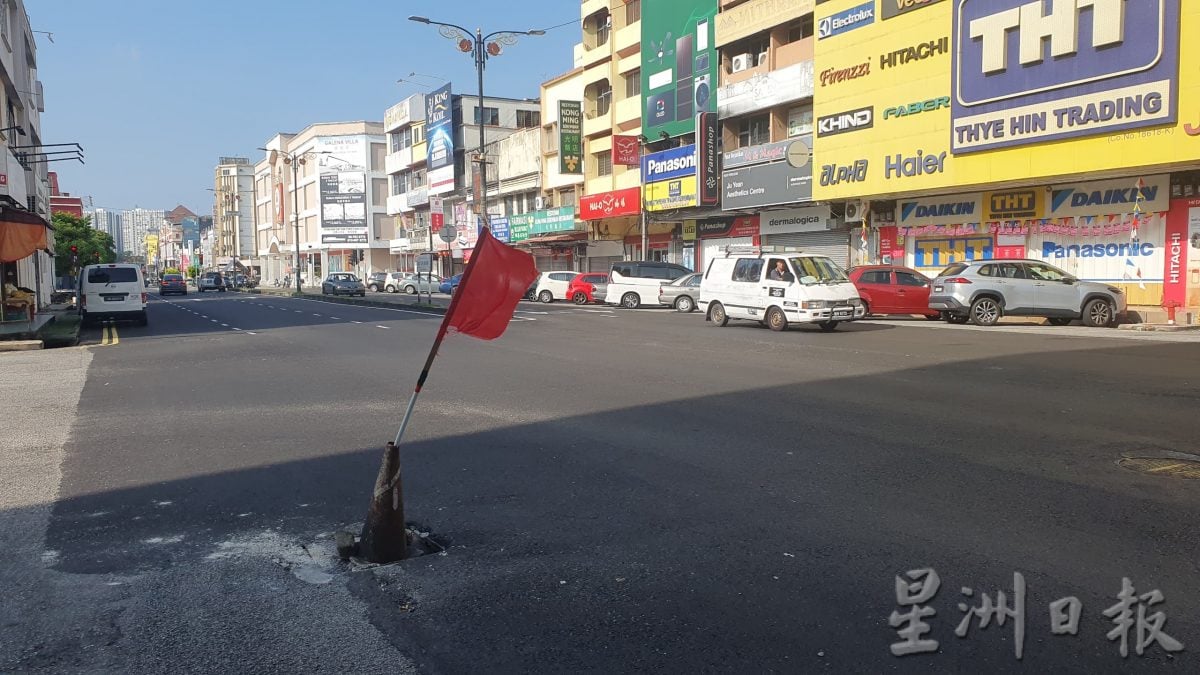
(981,291)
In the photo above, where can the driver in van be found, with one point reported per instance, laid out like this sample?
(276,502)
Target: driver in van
(779,272)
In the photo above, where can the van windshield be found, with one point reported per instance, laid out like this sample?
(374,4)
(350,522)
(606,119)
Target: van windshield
(817,270)
(112,275)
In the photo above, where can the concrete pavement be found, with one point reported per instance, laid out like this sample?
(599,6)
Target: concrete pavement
(620,490)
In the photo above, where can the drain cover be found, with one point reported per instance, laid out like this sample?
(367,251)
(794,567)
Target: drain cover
(1163,466)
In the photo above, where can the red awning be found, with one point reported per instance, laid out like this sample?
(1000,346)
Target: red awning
(21,234)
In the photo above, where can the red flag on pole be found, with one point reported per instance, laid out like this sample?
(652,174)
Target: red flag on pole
(494,282)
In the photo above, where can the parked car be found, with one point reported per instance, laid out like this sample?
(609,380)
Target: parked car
(632,282)
(172,283)
(683,294)
(531,292)
(893,289)
(982,291)
(412,284)
(376,281)
(211,281)
(343,283)
(553,286)
(114,291)
(586,288)
(448,286)
(778,286)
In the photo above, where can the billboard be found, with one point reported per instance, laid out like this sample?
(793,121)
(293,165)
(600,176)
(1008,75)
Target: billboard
(967,93)
(570,137)
(679,65)
(342,174)
(764,175)
(670,179)
(439,139)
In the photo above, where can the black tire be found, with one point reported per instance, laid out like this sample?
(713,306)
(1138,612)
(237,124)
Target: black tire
(631,300)
(956,319)
(866,309)
(828,326)
(580,298)
(1060,321)
(410,290)
(1098,313)
(374,288)
(545,297)
(776,320)
(717,315)
(685,304)
(390,288)
(143,319)
(986,311)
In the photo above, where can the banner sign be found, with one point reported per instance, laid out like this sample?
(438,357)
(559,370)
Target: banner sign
(625,151)
(570,137)
(439,139)
(1109,197)
(625,202)
(785,179)
(707,140)
(1024,73)
(679,65)
(342,166)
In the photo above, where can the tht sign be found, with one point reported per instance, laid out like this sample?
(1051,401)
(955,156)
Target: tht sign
(625,202)
(1015,204)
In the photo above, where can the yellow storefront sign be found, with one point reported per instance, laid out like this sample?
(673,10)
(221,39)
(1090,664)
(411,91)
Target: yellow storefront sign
(905,104)
(679,193)
(689,230)
(1020,204)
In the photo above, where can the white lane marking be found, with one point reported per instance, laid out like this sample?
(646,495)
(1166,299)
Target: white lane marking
(250,332)
(353,321)
(225,325)
(336,318)
(214,321)
(315,314)
(240,329)
(385,309)
(528,311)
(383,327)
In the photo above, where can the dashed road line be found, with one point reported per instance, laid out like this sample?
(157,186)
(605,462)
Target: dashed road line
(383,327)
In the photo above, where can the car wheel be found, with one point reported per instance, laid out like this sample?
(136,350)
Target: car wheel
(374,288)
(934,317)
(580,298)
(957,319)
(717,315)
(410,290)
(1060,321)
(545,296)
(866,309)
(985,311)
(776,321)
(631,301)
(1098,313)
(684,304)
(828,326)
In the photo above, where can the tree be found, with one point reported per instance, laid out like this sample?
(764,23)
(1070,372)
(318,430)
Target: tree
(91,246)
(193,271)
(171,270)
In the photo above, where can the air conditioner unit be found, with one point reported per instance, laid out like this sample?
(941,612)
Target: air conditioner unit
(762,59)
(854,212)
(740,62)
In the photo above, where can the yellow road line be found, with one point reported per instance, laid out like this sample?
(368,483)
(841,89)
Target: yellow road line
(108,336)
(116,339)
(1166,467)
(104,336)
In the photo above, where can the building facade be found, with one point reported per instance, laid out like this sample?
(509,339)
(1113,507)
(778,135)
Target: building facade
(63,202)
(108,221)
(135,225)
(335,191)
(408,184)
(234,242)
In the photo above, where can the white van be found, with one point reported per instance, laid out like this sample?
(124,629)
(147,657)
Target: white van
(634,282)
(778,286)
(113,291)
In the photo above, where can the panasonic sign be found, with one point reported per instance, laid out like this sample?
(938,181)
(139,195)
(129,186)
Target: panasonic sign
(851,120)
(669,164)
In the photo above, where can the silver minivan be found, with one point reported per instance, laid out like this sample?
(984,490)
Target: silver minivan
(114,291)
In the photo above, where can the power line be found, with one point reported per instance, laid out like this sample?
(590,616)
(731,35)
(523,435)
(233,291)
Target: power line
(568,23)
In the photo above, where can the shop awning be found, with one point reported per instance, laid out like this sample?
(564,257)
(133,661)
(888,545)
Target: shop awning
(21,234)
(556,238)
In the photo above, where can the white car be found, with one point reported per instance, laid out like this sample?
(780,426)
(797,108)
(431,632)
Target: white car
(553,286)
(112,291)
(634,283)
(778,286)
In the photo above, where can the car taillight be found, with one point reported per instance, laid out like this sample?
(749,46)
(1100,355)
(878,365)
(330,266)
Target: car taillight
(144,298)
(958,280)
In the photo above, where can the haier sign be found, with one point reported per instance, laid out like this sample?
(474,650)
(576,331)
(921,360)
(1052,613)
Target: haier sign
(1030,71)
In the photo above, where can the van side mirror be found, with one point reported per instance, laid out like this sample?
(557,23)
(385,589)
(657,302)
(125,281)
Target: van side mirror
(1069,280)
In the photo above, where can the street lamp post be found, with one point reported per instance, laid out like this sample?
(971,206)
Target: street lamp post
(481,47)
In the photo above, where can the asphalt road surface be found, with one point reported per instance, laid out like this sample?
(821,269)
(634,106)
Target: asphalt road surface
(618,491)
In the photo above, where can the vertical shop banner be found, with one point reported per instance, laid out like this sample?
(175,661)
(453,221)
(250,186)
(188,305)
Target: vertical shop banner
(342,174)
(1183,251)
(679,65)
(570,137)
(439,138)
(625,151)
(707,172)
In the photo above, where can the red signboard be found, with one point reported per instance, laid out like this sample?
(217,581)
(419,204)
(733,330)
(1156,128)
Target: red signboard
(625,151)
(1183,233)
(610,204)
(720,228)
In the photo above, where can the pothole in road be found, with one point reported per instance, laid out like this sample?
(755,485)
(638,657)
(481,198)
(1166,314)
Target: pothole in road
(1168,464)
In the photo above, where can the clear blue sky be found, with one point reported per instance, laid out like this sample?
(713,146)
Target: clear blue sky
(156,90)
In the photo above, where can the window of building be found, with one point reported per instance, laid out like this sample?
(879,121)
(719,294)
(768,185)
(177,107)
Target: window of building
(600,24)
(754,130)
(633,84)
(800,29)
(394,142)
(633,11)
(603,163)
(800,121)
(491,116)
(418,135)
(599,95)
(399,183)
(528,118)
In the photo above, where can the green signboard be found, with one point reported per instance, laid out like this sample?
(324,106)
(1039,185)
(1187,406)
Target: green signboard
(570,137)
(549,221)
(679,65)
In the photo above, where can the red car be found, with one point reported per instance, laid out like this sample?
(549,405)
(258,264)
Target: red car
(588,288)
(891,289)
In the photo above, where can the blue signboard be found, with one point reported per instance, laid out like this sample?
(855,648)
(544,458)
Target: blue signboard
(668,164)
(439,133)
(847,20)
(500,229)
(1029,72)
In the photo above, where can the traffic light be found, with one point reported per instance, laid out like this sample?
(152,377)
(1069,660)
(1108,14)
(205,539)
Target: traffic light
(74,256)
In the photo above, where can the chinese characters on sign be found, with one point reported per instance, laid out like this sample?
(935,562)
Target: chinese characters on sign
(917,588)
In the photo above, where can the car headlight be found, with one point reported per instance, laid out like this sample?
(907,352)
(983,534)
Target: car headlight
(1114,290)
(813,304)
(855,302)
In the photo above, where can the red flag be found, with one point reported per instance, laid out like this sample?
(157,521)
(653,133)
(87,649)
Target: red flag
(494,282)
